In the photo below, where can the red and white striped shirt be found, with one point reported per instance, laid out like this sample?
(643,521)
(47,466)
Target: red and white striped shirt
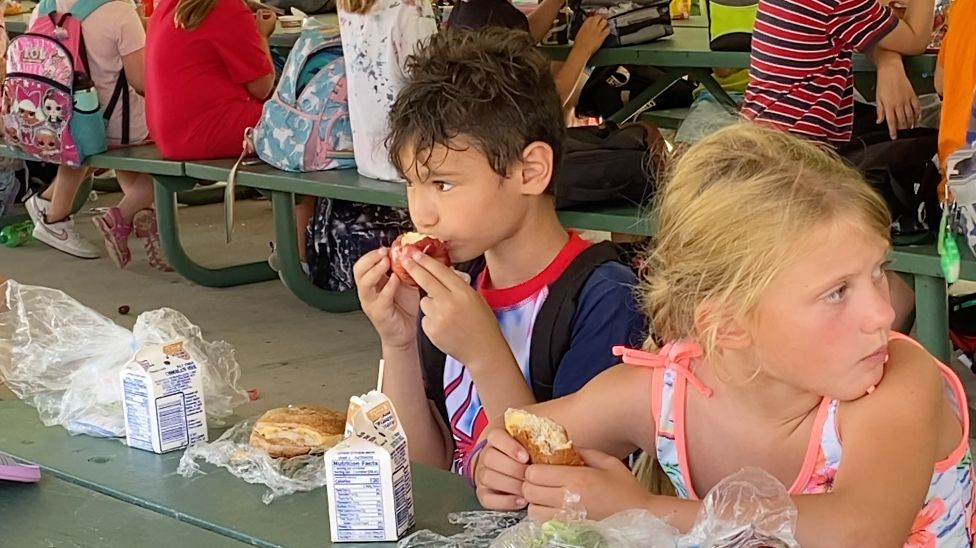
(802,71)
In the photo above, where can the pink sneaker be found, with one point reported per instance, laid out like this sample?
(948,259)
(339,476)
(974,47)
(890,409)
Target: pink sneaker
(115,231)
(144,223)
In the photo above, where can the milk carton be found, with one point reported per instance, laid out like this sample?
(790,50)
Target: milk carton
(369,484)
(162,399)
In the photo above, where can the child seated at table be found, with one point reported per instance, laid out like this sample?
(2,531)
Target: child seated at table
(777,353)
(115,40)
(477,133)
(802,75)
(208,74)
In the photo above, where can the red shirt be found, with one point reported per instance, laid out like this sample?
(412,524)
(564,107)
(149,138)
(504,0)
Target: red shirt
(802,76)
(197,103)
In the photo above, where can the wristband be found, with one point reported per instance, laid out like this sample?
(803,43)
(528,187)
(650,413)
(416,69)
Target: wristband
(469,458)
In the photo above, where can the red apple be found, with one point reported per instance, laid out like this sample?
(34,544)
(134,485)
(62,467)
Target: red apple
(427,245)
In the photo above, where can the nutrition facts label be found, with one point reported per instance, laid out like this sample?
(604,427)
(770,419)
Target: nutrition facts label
(358,483)
(137,412)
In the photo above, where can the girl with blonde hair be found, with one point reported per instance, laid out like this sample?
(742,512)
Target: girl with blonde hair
(767,287)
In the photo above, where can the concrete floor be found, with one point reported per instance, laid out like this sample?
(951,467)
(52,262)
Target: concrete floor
(290,352)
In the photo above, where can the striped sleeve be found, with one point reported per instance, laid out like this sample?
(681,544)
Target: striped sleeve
(860,24)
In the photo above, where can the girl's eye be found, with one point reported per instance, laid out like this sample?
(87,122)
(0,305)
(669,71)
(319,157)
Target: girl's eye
(443,186)
(879,271)
(836,295)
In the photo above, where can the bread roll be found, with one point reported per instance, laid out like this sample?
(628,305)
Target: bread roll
(298,430)
(546,441)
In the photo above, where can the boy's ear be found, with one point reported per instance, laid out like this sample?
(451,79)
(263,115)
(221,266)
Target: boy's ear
(730,333)
(537,165)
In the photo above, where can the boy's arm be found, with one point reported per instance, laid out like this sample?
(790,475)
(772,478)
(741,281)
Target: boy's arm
(541,19)
(588,41)
(914,31)
(403,383)
(895,97)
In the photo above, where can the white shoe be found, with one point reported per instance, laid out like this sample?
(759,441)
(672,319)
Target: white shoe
(36,206)
(61,235)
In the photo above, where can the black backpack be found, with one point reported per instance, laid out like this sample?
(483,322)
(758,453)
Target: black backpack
(904,173)
(642,22)
(550,337)
(477,14)
(608,89)
(606,164)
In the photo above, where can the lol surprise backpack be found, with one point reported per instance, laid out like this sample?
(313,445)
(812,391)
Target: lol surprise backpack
(50,108)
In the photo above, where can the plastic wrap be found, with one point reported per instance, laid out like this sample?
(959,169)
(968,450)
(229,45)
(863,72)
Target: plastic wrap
(233,452)
(479,530)
(749,509)
(64,359)
(629,529)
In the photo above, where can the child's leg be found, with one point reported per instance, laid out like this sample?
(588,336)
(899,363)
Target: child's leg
(51,213)
(304,211)
(138,193)
(61,193)
(116,224)
(136,208)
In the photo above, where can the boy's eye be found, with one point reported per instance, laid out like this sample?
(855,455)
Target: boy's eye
(443,186)
(836,295)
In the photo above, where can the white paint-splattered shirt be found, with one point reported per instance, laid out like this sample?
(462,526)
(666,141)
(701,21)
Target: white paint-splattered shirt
(376,46)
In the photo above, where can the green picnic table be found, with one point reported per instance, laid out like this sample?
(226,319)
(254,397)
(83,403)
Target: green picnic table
(687,54)
(55,513)
(216,502)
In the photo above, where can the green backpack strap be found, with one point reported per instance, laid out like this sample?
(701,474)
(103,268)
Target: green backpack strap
(84,8)
(46,7)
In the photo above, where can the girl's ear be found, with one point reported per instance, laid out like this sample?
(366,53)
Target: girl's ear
(730,333)
(537,164)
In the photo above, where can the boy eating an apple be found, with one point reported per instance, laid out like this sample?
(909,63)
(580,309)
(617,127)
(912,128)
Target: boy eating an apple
(477,133)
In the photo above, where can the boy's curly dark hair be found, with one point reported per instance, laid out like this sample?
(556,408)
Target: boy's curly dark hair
(490,86)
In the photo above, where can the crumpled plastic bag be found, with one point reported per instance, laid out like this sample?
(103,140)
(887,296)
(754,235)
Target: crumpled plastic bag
(571,529)
(65,359)
(749,509)
(233,452)
(480,529)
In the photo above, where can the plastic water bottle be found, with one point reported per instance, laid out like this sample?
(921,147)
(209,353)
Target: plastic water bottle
(16,235)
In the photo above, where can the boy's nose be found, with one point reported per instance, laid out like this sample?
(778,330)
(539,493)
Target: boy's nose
(423,213)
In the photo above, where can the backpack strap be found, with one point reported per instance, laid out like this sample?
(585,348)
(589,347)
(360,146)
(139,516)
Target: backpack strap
(121,91)
(431,358)
(551,335)
(553,331)
(83,8)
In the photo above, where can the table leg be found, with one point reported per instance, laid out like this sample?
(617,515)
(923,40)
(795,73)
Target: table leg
(166,188)
(704,76)
(645,99)
(932,316)
(291,273)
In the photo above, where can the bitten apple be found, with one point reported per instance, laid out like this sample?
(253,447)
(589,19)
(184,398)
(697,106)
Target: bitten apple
(427,245)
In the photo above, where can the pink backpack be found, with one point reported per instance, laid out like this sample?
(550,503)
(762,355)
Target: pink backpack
(50,107)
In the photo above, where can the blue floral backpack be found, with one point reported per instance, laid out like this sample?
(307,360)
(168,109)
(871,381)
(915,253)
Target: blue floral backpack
(305,124)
